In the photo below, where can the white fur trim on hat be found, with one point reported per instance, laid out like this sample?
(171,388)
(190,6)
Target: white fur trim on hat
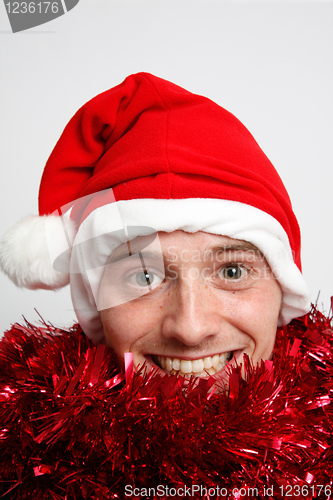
(25,252)
(102,232)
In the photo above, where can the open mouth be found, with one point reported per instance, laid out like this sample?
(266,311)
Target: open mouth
(202,367)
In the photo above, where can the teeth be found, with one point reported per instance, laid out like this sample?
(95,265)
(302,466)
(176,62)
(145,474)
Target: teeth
(186,366)
(168,364)
(215,361)
(198,367)
(208,363)
(176,364)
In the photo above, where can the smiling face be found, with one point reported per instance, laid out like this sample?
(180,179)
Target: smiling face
(206,301)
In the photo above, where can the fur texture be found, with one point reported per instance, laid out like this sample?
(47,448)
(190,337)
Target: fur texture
(25,252)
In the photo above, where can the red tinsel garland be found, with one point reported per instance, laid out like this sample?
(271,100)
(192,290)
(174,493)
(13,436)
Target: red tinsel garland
(72,427)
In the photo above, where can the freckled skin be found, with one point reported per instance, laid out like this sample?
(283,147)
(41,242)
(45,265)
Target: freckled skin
(197,312)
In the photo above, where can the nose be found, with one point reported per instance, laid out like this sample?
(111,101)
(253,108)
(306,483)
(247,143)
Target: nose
(191,314)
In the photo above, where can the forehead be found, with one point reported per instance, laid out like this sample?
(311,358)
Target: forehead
(177,242)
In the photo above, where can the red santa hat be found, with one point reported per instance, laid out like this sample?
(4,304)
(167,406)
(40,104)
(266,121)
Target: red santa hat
(150,156)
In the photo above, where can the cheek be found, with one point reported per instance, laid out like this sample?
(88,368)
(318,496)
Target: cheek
(255,308)
(270,306)
(257,316)
(118,329)
(127,324)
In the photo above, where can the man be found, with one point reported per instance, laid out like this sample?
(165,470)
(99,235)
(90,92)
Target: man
(148,157)
(186,322)
(181,247)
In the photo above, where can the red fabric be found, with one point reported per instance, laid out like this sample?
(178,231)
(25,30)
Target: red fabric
(148,138)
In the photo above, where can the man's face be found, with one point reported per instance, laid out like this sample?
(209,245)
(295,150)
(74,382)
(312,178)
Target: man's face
(214,300)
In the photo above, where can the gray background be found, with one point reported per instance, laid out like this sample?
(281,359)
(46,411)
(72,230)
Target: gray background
(268,62)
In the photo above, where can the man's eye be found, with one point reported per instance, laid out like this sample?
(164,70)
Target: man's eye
(233,272)
(144,278)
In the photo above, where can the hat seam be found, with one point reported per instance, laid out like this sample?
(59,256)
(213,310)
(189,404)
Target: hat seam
(167,126)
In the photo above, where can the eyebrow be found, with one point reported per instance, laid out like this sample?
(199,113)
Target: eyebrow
(232,248)
(122,254)
(142,254)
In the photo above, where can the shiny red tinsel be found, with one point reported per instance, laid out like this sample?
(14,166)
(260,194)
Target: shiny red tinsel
(72,428)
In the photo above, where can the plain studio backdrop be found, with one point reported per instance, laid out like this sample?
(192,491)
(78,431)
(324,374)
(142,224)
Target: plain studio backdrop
(268,62)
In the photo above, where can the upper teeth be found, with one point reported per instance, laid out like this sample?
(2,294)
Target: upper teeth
(197,367)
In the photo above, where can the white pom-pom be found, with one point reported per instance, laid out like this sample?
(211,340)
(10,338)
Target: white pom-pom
(25,251)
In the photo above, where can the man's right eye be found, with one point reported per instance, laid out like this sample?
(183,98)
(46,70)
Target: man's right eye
(145,278)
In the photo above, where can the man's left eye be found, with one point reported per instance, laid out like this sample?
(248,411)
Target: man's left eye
(234,272)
